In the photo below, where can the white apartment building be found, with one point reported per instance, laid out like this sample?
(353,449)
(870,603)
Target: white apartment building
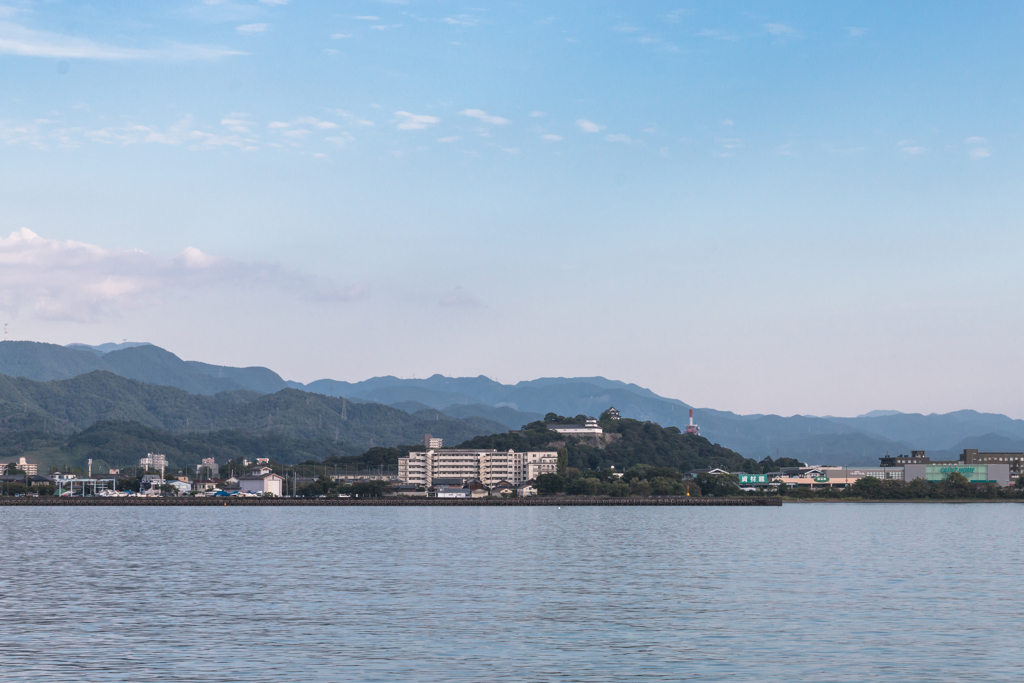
(488,466)
(28,468)
(153,461)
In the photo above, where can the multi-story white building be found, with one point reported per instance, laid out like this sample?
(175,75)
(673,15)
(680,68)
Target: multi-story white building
(487,466)
(154,461)
(28,468)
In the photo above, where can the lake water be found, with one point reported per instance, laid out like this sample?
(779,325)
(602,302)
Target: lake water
(838,592)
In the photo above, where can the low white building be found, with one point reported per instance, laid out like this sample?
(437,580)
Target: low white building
(454,493)
(261,480)
(585,431)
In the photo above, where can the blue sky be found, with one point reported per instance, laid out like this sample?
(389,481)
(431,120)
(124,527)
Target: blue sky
(763,207)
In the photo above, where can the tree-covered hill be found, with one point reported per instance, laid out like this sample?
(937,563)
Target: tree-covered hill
(627,443)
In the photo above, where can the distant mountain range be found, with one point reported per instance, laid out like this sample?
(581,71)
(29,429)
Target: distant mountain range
(477,403)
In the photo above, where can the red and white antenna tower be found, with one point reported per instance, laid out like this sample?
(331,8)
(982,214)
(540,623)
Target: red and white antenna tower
(692,428)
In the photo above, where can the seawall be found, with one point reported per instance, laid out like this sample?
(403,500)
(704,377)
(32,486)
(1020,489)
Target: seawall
(50,501)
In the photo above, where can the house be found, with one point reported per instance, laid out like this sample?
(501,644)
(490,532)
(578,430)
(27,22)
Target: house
(262,480)
(526,489)
(409,490)
(453,493)
(478,490)
(714,471)
(503,488)
(182,487)
(613,414)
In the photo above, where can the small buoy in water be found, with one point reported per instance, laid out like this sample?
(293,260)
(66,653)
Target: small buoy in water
(225,504)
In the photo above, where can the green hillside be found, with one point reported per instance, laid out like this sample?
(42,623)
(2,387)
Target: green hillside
(124,419)
(628,443)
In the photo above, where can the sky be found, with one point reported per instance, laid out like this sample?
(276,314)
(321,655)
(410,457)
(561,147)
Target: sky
(763,207)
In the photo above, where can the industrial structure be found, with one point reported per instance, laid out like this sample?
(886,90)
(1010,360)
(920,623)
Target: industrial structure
(692,428)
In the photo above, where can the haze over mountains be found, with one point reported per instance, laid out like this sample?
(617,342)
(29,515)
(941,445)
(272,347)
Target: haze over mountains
(220,397)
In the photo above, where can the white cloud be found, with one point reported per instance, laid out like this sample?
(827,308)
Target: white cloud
(450,138)
(415,121)
(18,40)
(482,115)
(341,139)
(367,18)
(626,28)
(274,2)
(76,281)
(589,126)
(310,121)
(537,114)
(384,27)
(551,138)
(727,122)
(278,124)
(238,123)
(974,140)
(250,29)
(297,133)
(856,31)
(980,153)
(618,137)
(908,147)
(337,36)
(780,29)
(462,20)
(184,132)
(717,34)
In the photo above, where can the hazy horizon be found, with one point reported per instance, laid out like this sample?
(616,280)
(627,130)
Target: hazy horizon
(782,208)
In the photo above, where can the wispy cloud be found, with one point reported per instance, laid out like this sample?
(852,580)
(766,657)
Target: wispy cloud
(462,20)
(537,114)
(856,31)
(337,36)
(18,40)
(589,126)
(411,121)
(618,137)
(251,29)
(483,116)
(978,150)
(909,148)
(626,28)
(450,138)
(551,138)
(782,30)
(367,18)
(77,281)
(717,34)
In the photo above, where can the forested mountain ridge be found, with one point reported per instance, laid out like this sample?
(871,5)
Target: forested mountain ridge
(57,410)
(821,440)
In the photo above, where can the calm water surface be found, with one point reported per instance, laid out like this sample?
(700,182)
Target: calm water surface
(839,592)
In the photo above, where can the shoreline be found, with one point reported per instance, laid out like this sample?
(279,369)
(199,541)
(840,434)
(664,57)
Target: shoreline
(677,501)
